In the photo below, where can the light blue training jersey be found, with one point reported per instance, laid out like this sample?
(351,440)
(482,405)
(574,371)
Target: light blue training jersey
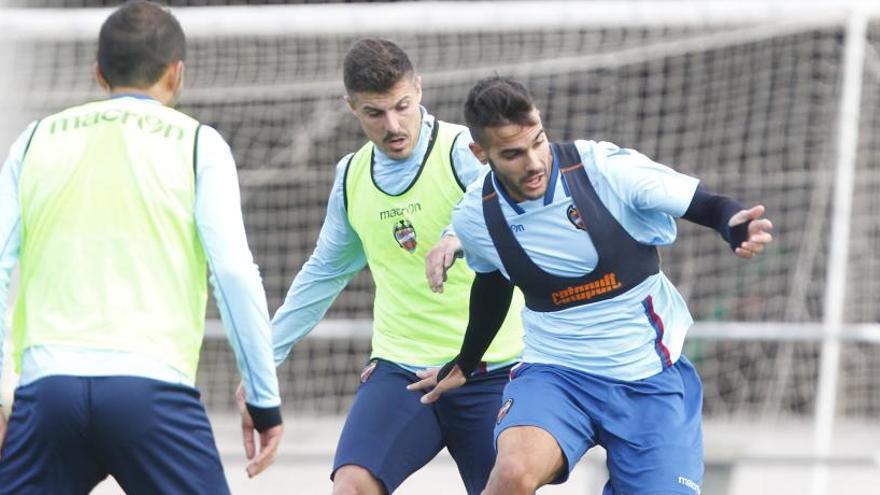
(624,338)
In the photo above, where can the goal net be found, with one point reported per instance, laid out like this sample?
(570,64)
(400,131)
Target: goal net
(751,98)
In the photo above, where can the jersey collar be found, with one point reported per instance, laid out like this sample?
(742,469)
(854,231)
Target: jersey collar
(138,96)
(554,177)
(503,193)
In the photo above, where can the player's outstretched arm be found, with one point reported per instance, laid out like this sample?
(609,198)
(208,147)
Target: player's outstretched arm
(491,294)
(337,258)
(237,286)
(440,258)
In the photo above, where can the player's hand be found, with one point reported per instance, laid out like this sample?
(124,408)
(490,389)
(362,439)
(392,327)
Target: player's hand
(453,380)
(269,439)
(440,259)
(759,231)
(269,442)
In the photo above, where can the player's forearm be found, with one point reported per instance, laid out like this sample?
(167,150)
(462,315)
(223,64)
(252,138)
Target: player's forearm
(238,291)
(242,306)
(714,211)
(491,294)
(234,276)
(308,299)
(245,317)
(337,258)
(241,300)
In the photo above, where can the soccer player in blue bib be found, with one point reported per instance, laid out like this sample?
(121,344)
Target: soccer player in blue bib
(575,226)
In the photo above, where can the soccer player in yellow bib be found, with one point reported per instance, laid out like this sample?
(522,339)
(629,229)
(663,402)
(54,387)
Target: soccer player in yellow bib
(389,204)
(114,210)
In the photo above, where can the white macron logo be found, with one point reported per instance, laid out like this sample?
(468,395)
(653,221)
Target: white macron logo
(688,483)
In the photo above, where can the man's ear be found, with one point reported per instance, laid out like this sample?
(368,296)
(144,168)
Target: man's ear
(99,77)
(178,69)
(349,101)
(478,152)
(418,85)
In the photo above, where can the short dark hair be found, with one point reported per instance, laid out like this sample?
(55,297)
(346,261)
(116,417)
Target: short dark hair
(374,65)
(497,101)
(137,43)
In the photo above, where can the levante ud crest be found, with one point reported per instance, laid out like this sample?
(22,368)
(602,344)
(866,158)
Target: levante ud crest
(574,216)
(405,235)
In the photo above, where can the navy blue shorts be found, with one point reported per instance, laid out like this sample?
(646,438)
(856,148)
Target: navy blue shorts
(68,433)
(391,434)
(650,428)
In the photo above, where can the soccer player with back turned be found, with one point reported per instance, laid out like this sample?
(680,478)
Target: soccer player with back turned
(114,210)
(388,206)
(604,327)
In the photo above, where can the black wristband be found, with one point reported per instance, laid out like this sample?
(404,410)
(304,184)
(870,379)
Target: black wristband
(447,368)
(264,417)
(739,234)
(714,211)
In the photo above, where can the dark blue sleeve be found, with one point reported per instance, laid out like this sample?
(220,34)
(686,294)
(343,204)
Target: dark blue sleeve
(714,211)
(491,294)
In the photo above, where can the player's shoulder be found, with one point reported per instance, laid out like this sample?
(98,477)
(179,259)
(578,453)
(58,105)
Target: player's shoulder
(343,163)
(20,145)
(65,117)
(210,134)
(608,153)
(454,129)
(600,152)
(210,142)
(608,160)
(360,158)
(473,195)
(457,135)
(342,171)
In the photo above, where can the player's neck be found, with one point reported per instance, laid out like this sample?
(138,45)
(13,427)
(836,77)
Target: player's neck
(135,92)
(152,93)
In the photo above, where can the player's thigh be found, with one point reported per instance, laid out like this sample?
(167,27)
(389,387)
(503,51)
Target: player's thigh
(47,447)
(467,417)
(388,431)
(155,437)
(654,436)
(544,397)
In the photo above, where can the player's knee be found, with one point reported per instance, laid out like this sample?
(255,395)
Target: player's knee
(355,480)
(513,475)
